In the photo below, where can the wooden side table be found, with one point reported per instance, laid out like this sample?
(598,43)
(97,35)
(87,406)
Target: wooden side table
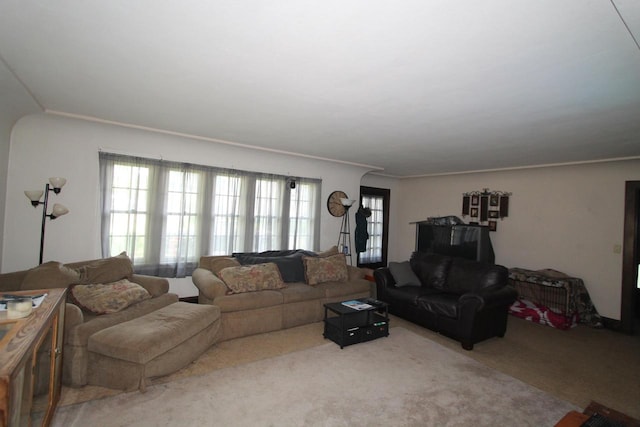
(31,362)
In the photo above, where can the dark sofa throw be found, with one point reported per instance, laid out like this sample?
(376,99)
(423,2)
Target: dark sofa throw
(289,262)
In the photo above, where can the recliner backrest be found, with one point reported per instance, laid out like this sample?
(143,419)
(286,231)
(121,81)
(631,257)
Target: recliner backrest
(431,269)
(472,276)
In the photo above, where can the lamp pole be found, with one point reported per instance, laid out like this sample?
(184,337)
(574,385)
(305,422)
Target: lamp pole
(58,210)
(44,221)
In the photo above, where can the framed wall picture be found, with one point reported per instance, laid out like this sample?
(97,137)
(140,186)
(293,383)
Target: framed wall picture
(484,208)
(504,206)
(465,205)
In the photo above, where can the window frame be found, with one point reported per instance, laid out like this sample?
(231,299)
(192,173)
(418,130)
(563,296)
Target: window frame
(241,221)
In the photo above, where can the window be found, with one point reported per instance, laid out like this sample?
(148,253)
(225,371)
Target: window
(268,214)
(128,221)
(228,219)
(165,215)
(302,213)
(377,200)
(181,233)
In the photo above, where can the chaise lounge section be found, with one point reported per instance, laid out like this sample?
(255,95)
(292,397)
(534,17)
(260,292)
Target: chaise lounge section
(121,328)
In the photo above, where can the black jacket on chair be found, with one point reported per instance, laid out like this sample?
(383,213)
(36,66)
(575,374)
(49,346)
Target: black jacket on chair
(462,299)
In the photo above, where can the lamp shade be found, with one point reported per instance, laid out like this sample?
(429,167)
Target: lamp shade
(347,202)
(57,182)
(34,195)
(58,210)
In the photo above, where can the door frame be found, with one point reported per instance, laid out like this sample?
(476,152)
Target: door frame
(630,256)
(385,193)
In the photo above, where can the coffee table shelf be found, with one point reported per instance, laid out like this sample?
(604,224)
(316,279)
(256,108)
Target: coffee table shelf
(345,326)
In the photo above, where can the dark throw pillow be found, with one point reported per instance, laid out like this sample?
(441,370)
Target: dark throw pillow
(289,262)
(403,274)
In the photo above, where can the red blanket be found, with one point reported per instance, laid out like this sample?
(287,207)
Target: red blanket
(540,314)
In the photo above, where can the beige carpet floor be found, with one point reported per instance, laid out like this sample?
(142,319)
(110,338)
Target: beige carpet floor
(400,380)
(578,365)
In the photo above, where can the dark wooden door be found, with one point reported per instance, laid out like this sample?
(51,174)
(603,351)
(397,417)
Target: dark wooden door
(630,303)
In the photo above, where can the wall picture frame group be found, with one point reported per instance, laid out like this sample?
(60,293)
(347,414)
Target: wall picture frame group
(486,207)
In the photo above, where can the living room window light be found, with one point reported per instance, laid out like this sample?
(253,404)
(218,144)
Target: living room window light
(165,215)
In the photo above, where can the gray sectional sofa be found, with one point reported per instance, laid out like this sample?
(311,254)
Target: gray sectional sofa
(308,285)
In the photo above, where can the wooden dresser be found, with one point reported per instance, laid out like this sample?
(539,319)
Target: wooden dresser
(31,362)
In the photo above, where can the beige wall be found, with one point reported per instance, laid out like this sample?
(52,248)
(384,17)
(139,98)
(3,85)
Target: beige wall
(44,145)
(568,218)
(15,102)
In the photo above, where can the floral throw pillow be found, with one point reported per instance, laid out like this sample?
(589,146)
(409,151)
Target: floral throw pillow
(325,269)
(251,278)
(105,298)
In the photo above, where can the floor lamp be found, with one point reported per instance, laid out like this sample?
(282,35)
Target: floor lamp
(55,184)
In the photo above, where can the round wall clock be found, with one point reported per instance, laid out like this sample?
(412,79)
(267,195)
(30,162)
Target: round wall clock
(334,204)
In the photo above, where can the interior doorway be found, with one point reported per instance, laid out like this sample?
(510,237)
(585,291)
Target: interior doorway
(630,297)
(376,200)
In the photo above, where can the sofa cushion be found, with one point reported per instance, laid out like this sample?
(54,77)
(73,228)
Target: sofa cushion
(249,300)
(335,290)
(403,274)
(106,270)
(141,340)
(431,269)
(250,278)
(49,275)
(442,304)
(298,292)
(328,269)
(471,276)
(410,294)
(107,298)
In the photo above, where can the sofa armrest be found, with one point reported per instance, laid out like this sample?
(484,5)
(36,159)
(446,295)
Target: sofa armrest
(384,280)
(156,286)
(209,285)
(355,272)
(72,316)
(12,281)
(489,297)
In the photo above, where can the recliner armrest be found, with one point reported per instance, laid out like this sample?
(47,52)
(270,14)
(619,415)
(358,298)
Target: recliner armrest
(489,297)
(355,272)
(384,280)
(156,286)
(72,316)
(209,285)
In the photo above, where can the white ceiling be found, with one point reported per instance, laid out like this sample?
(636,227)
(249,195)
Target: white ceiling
(414,86)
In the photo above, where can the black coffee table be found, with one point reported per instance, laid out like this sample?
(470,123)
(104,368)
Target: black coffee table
(345,325)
